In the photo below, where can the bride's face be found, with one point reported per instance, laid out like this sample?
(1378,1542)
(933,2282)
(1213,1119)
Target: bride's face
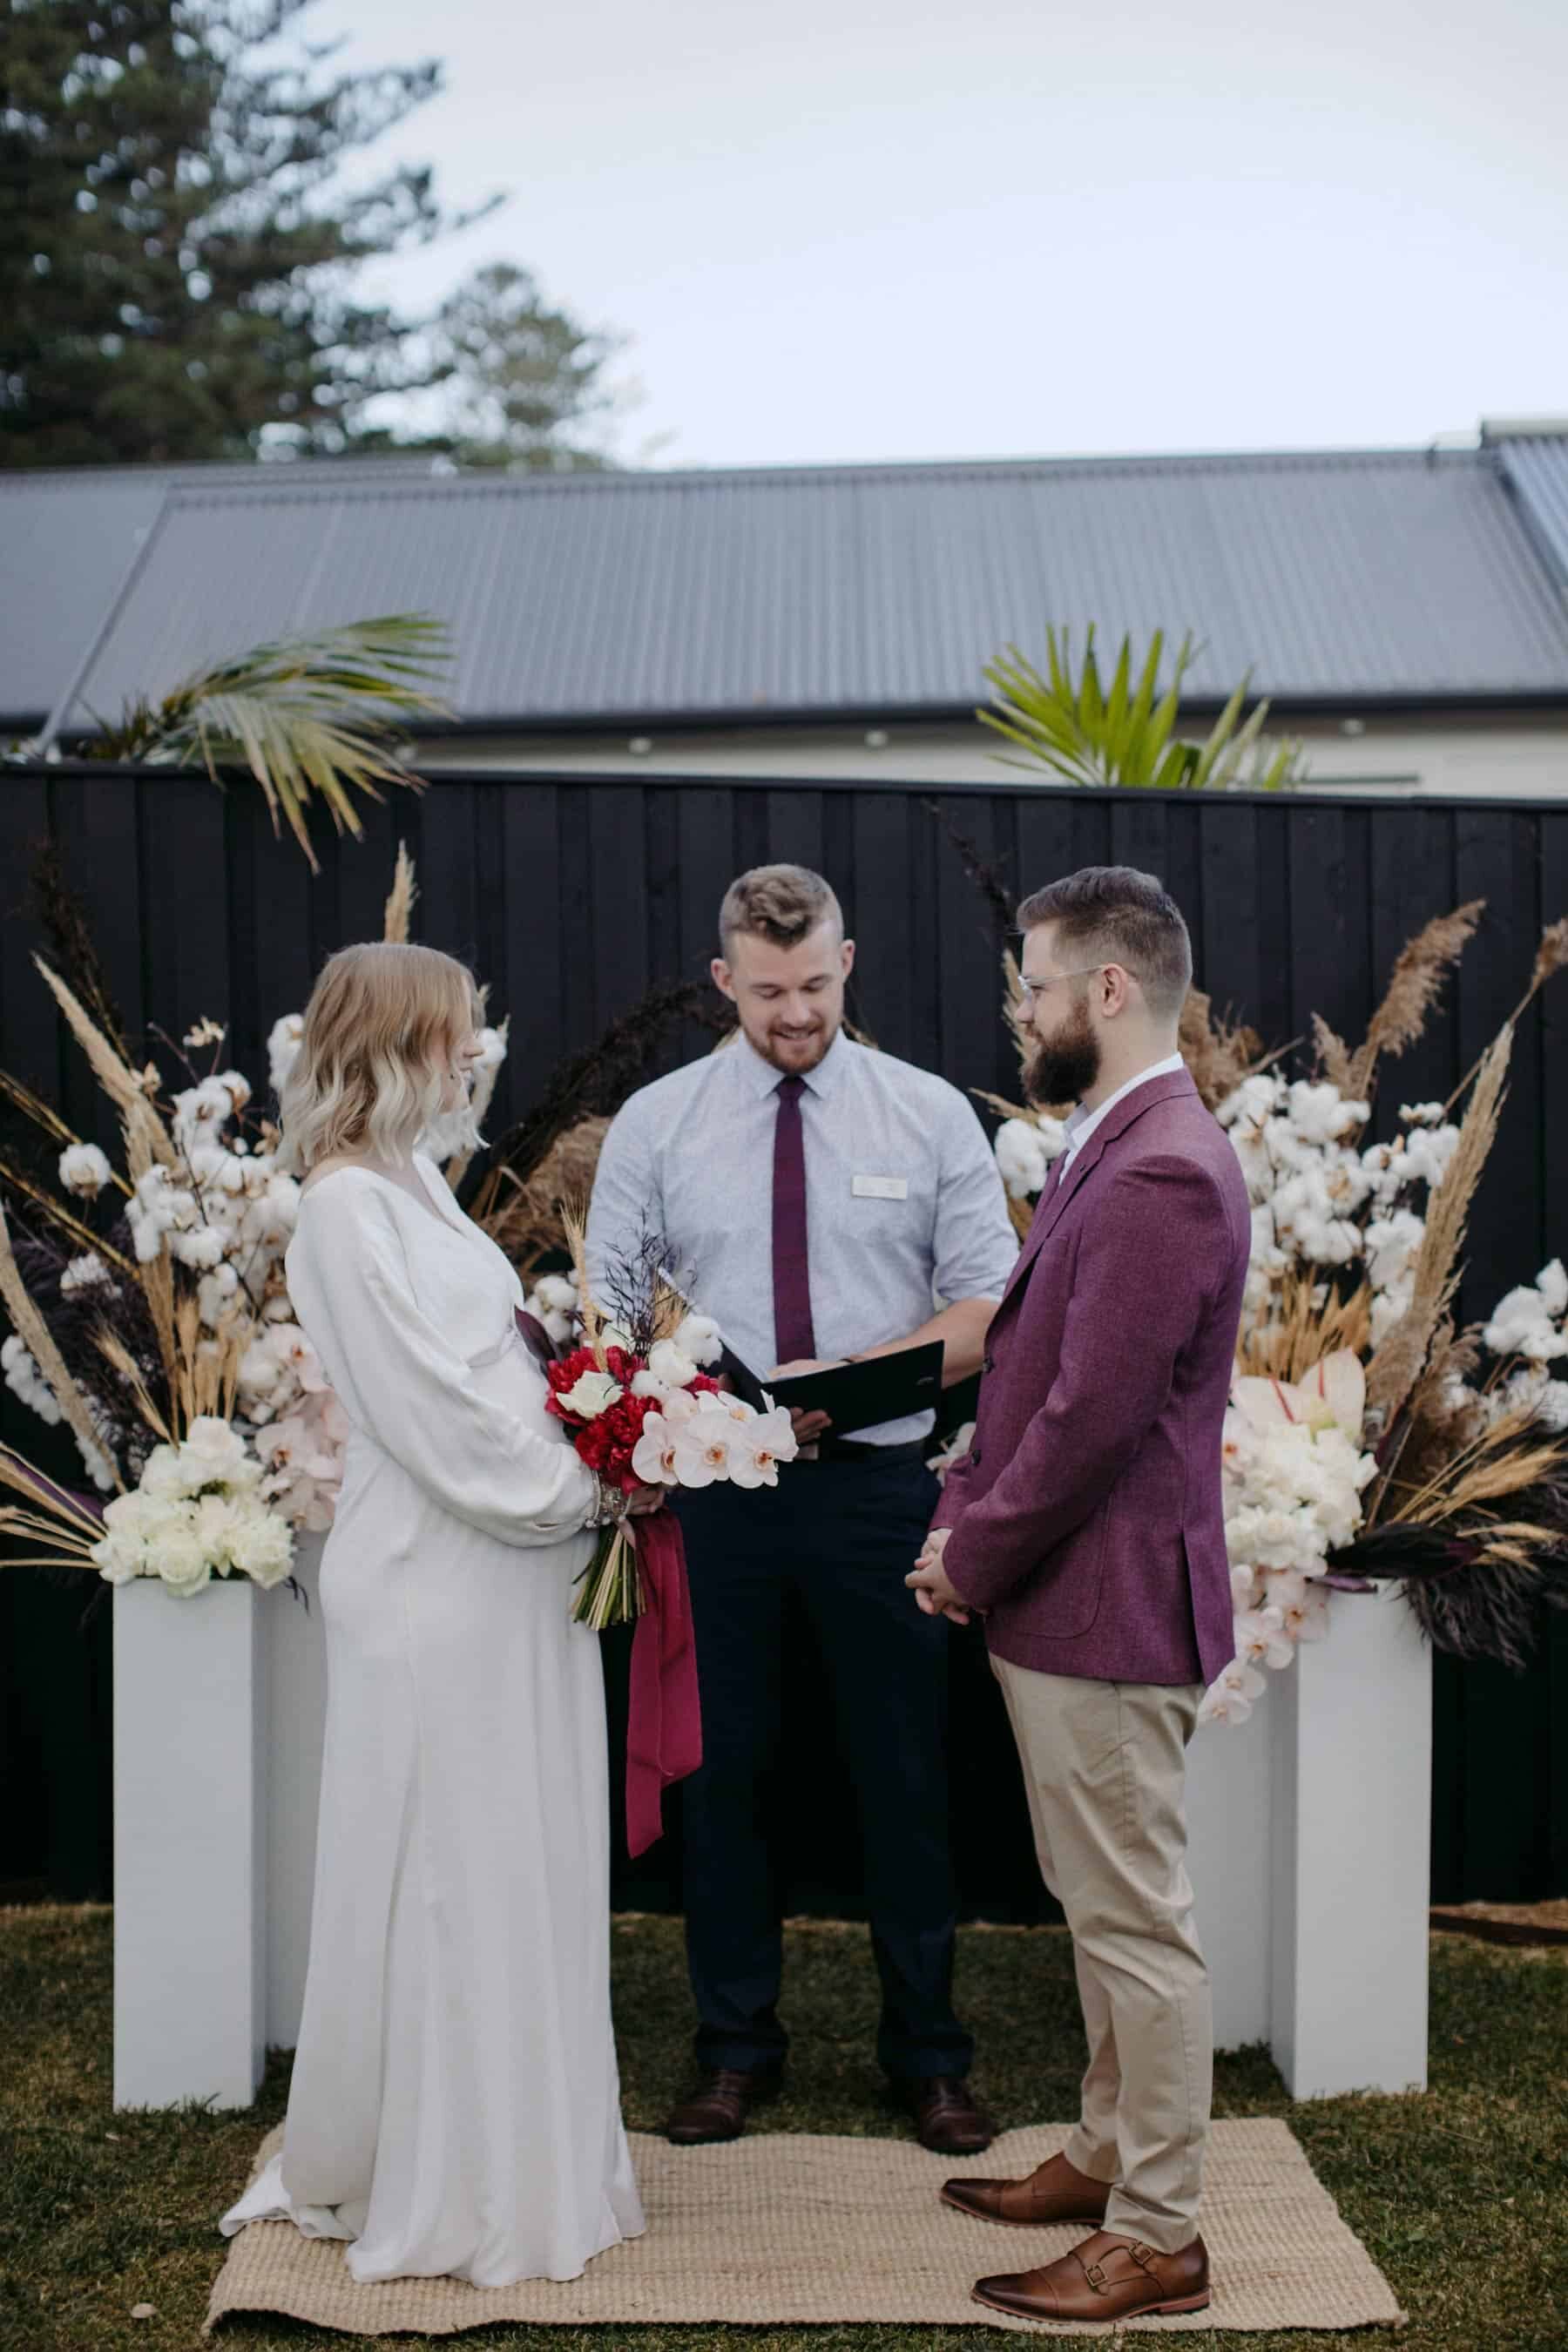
(462,1062)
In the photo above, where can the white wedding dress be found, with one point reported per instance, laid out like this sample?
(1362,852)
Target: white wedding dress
(455,2103)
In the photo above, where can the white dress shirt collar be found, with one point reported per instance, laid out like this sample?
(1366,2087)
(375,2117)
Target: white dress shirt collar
(1081,1124)
(762,1077)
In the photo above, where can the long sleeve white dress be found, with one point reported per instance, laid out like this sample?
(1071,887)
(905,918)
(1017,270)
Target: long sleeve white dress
(456,2103)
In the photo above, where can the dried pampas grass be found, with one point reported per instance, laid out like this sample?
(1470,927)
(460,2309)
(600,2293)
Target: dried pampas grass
(146,1138)
(1402,1357)
(1334,1056)
(1218,1052)
(1412,990)
(400,901)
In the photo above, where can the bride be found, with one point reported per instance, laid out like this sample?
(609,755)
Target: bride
(455,2105)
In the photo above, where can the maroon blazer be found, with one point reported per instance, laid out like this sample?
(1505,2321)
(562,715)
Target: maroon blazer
(1087,1517)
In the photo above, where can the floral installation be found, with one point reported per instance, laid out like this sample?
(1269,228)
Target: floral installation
(150,1309)
(640,1409)
(1368,1437)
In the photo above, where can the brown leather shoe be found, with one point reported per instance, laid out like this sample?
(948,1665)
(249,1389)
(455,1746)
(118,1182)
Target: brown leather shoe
(946,2117)
(1105,2278)
(1054,2191)
(717,2109)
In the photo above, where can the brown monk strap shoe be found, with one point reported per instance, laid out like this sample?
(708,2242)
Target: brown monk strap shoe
(1105,2278)
(946,2117)
(1054,2191)
(717,2109)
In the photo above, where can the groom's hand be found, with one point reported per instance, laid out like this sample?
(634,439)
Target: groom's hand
(934,1596)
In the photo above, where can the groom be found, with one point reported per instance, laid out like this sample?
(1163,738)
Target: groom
(1086,1523)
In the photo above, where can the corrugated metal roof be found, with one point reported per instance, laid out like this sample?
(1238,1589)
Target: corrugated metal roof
(67,537)
(1535,465)
(1332,577)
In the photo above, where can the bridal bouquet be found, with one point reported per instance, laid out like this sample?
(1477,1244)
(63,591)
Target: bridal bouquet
(641,1411)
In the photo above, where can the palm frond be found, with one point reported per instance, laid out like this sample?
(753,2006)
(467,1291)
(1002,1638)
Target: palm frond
(1071,725)
(308,716)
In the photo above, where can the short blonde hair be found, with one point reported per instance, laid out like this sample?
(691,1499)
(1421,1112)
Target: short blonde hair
(381,1028)
(781,903)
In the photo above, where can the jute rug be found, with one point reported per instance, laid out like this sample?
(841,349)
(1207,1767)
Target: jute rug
(791,2229)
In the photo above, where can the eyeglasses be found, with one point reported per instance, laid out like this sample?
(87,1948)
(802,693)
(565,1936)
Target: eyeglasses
(1032,988)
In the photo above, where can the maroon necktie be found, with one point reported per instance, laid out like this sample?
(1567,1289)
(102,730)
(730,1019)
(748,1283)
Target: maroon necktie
(794,1341)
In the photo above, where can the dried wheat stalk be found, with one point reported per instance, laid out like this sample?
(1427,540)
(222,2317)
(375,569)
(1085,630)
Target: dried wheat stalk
(64,1544)
(1303,1327)
(113,1350)
(1400,1361)
(574,1222)
(1412,990)
(36,1337)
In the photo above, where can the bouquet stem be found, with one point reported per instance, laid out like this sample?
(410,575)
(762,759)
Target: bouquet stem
(609,1591)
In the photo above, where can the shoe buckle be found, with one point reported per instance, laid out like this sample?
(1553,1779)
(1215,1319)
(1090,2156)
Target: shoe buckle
(1094,2273)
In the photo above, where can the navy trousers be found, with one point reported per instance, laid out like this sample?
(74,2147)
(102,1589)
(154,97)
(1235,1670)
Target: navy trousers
(842,1536)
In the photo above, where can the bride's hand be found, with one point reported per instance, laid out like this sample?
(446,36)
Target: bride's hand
(644,1499)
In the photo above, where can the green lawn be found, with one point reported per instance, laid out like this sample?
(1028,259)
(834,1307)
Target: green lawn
(1462,2194)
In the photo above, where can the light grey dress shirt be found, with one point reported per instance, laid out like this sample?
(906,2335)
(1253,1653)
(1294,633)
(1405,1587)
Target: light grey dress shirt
(905,1208)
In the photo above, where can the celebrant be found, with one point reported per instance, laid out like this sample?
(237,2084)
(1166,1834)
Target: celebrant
(829,1202)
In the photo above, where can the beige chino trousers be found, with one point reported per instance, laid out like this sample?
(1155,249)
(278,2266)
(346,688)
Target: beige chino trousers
(1105,1768)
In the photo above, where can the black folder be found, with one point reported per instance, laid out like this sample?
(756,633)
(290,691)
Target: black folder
(854,1396)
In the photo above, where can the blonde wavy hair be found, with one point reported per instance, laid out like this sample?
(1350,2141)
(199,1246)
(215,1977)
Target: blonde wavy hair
(381,1030)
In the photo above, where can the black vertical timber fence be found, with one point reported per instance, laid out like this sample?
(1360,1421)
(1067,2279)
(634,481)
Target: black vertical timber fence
(569,894)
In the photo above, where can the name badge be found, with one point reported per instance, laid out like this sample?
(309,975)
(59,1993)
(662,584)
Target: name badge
(880,1188)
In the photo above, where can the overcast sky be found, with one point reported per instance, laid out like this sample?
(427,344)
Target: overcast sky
(864,229)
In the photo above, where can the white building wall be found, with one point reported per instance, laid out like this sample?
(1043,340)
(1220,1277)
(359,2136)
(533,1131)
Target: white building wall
(1522,755)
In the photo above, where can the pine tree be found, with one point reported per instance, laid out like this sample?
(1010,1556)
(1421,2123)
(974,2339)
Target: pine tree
(177,258)
(527,380)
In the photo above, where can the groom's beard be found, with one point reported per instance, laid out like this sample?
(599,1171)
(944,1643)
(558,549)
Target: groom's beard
(1067,1068)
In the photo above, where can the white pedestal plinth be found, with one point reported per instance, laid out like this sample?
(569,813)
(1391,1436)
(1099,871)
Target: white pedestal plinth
(1308,1835)
(1229,1860)
(1353,1809)
(189,1963)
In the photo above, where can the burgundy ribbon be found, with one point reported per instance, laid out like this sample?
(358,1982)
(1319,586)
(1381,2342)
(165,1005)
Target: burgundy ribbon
(663,1729)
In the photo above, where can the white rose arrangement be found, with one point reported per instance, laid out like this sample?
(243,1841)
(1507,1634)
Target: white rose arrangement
(198,1512)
